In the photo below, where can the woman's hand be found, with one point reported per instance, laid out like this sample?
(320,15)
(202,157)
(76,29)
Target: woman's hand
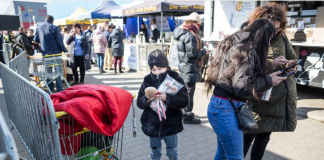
(161,96)
(278,61)
(275,79)
(290,63)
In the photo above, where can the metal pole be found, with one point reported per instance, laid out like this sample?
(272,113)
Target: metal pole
(161,34)
(138,25)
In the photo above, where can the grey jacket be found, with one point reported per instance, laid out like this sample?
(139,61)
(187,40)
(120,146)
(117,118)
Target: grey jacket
(115,40)
(187,55)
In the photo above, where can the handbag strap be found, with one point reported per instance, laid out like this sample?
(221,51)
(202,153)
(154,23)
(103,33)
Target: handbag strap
(230,100)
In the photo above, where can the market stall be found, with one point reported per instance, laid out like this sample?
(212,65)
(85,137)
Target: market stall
(102,11)
(73,18)
(305,30)
(162,9)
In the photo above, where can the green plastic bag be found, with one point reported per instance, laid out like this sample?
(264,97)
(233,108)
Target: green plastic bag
(93,151)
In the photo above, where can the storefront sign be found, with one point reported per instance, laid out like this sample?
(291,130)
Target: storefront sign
(131,57)
(173,55)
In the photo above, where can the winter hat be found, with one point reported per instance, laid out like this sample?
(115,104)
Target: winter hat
(195,17)
(157,58)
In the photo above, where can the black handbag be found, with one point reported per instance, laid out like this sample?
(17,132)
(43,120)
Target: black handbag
(244,115)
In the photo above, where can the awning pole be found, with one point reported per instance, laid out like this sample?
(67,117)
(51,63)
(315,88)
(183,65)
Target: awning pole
(161,31)
(138,26)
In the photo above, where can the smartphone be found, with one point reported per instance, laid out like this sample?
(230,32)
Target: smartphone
(288,74)
(292,66)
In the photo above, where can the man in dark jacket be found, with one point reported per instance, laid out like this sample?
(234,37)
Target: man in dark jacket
(116,40)
(109,60)
(51,42)
(190,54)
(30,37)
(49,37)
(23,40)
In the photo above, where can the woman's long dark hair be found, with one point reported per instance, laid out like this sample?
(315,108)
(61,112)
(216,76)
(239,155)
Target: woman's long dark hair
(260,33)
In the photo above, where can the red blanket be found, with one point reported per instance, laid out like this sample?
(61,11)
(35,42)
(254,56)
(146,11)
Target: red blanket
(102,109)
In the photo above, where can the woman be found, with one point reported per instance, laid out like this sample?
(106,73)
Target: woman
(79,53)
(143,30)
(68,71)
(116,42)
(66,35)
(190,57)
(279,113)
(238,71)
(99,47)
(155,34)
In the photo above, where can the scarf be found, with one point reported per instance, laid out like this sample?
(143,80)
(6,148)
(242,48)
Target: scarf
(193,29)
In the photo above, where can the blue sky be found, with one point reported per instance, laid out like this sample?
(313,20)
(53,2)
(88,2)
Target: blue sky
(61,9)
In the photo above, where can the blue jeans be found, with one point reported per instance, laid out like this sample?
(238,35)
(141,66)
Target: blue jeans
(100,60)
(59,84)
(171,147)
(221,116)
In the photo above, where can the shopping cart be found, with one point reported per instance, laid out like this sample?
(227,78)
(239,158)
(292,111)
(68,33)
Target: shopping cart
(85,144)
(48,69)
(52,135)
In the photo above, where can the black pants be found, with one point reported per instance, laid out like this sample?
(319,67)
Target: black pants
(78,62)
(191,88)
(259,145)
(1,57)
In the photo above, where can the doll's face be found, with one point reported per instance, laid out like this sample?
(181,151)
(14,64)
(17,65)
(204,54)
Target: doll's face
(158,70)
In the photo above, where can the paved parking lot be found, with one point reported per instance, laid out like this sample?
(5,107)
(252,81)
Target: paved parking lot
(198,142)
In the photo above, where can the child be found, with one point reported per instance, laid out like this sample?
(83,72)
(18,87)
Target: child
(171,124)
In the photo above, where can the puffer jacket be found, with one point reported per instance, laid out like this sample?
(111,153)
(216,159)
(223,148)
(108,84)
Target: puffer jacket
(151,125)
(115,40)
(187,55)
(99,42)
(22,39)
(279,113)
(242,83)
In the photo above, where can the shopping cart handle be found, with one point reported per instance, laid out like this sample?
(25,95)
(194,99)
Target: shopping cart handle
(61,114)
(81,132)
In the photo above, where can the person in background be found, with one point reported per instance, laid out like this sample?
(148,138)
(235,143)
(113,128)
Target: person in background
(116,41)
(99,47)
(155,34)
(30,36)
(51,42)
(79,53)
(89,33)
(238,72)
(190,56)
(66,35)
(279,113)
(143,31)
(23,40)
(109,60)
(1,49)
(68,71)
(9,37)
(152,126)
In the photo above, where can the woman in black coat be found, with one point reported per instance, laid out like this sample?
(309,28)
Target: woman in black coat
(116,41)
